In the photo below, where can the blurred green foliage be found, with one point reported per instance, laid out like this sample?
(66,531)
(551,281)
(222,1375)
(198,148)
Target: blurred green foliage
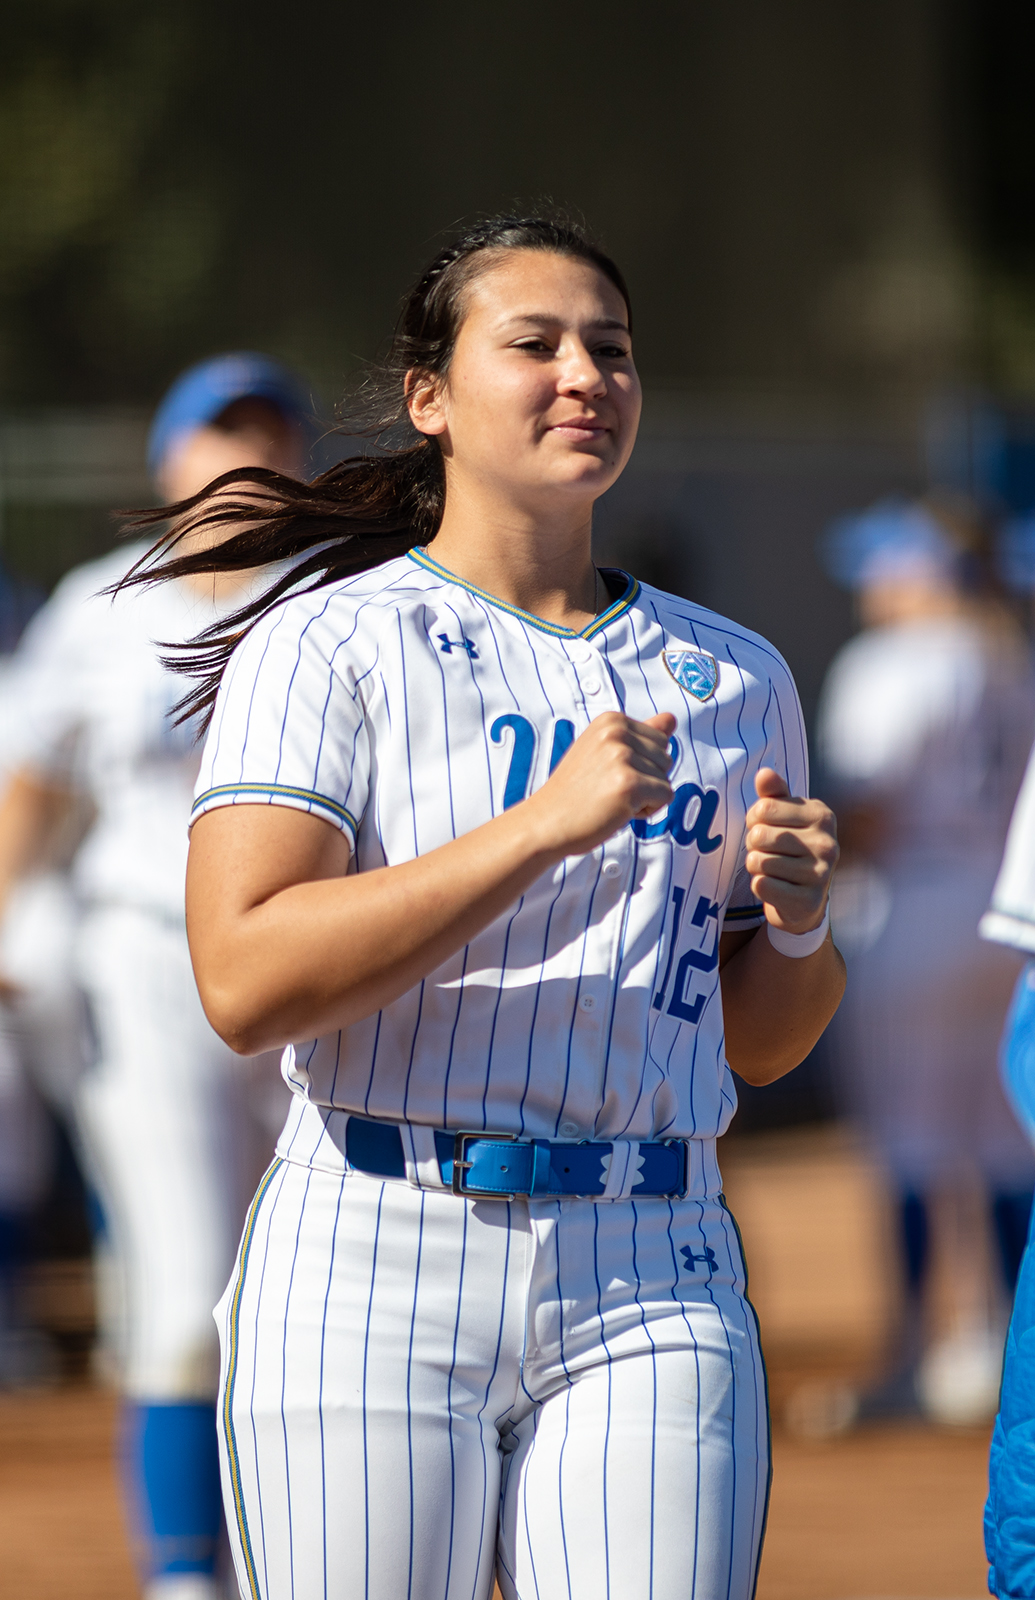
(178,177)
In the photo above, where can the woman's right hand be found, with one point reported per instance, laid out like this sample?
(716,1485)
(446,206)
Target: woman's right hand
(288,944)
(616,770)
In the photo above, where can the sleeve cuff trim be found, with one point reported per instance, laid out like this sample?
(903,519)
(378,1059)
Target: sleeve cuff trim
(1003,927)
(740,915)
(228,794)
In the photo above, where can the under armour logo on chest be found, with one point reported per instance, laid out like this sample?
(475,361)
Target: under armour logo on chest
(448,645)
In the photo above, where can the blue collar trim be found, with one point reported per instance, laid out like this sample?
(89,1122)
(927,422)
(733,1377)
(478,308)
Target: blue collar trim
(616,609)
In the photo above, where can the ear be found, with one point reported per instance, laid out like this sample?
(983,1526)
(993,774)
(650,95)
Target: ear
(424,401)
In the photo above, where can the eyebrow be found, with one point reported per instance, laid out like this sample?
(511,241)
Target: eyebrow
(605,323)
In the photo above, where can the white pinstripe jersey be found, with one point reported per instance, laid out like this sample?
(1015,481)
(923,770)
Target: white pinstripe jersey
(87,707)
(407,707)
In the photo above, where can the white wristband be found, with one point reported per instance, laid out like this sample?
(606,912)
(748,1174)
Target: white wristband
(797,945)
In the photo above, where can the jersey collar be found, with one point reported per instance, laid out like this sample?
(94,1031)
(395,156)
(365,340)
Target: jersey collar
(616,609)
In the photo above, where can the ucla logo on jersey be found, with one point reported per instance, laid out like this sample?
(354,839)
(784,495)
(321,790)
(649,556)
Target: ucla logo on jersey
(694,670)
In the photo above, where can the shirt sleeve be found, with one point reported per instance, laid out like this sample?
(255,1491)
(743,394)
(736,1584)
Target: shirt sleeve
(784,747)
(1010,919)
(288,727)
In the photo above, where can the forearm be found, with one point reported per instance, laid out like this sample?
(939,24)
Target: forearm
(775,1008)
(30,810)
(317,956)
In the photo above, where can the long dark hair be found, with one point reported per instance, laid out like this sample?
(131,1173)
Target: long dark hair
(368,508)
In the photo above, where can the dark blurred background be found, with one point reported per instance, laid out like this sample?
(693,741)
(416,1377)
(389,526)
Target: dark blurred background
(826,214)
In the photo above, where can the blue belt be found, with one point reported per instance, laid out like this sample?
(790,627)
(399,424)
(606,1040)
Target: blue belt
(503,1166)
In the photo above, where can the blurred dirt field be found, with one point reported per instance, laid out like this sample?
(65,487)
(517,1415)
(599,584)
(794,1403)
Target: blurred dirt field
(882,1513)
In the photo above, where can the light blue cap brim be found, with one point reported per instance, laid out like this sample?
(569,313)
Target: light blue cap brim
(894,538)
(201,393)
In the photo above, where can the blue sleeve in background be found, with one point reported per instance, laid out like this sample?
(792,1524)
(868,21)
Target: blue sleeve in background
(1010,1510)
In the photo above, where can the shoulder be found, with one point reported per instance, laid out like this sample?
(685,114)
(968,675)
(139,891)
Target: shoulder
(689,626)
(93,577)
(925,661)
(339,623)
(79,607)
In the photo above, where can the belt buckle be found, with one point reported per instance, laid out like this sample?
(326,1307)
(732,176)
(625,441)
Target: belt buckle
(681,1193)
(460,1164)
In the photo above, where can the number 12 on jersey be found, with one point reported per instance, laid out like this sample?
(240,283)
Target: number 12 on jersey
(690,961)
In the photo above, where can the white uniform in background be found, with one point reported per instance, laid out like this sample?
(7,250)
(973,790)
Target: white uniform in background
(176,1128)
(930,722)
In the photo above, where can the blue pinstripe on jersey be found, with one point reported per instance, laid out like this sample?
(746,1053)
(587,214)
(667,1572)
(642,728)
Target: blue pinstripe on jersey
(401,757)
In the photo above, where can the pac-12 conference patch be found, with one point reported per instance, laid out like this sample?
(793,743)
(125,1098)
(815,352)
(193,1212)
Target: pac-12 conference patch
(694,670)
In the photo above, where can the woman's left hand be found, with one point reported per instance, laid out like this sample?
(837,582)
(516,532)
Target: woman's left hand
(792,851)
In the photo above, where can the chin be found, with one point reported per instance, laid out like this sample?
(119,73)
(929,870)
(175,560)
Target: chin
(586,476)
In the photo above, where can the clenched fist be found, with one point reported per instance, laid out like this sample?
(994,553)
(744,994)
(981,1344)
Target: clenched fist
(792,851)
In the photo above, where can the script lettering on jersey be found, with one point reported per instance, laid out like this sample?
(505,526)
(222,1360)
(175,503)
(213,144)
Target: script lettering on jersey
(685,826)
(690,961)
(448,645)
(523,751)
(675,819)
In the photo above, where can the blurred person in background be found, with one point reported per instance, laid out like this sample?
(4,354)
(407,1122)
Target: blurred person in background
(176,1129)
(925,721)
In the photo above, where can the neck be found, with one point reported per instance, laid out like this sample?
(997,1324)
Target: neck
(541,564)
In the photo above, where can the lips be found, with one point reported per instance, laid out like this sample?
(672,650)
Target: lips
(579,428)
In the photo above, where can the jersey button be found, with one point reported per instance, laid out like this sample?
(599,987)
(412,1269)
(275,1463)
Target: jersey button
(611,869)
(592,685)
(587,1003)
(569,1129)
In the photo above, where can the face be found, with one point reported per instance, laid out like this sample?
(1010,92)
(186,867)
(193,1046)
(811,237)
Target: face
(249,433)
(907,599)
(541,397)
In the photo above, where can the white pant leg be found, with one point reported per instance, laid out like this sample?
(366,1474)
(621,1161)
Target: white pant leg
(643,1473)
(172,1147)
(370,1343)
(384,1348)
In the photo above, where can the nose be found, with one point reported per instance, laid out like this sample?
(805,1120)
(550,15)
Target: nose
(580,373)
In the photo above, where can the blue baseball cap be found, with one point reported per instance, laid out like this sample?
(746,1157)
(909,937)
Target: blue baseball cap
(200,394)
(894,539)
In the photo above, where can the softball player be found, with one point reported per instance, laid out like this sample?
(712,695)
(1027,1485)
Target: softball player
(177,1130)
(924,725)
(474,835)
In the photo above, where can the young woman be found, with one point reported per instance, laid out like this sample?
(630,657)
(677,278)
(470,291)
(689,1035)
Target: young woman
(474,837)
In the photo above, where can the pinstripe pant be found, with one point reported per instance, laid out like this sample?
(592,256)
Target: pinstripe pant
(419,1389)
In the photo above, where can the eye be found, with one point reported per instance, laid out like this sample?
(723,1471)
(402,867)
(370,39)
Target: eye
(535,344)
(611,352)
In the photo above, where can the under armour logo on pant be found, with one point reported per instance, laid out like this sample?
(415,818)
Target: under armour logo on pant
(708,1257)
